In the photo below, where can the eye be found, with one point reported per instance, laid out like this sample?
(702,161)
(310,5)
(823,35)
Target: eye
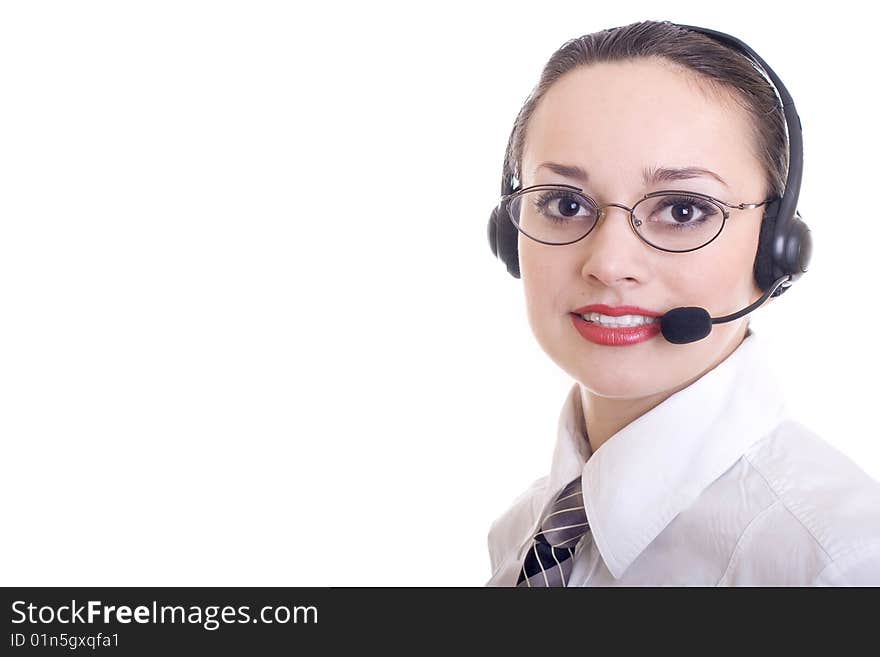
(678,211)
(562,206)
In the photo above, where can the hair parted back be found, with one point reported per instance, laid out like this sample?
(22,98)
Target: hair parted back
(713,65)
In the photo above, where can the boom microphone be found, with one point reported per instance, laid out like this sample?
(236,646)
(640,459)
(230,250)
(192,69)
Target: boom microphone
(692,323)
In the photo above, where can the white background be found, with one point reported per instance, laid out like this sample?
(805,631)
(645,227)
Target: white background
(251,331)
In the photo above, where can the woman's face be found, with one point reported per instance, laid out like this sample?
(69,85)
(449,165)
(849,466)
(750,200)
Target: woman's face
(615,120)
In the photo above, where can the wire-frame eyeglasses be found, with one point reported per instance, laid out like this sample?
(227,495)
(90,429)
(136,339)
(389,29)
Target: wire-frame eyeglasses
(676,221)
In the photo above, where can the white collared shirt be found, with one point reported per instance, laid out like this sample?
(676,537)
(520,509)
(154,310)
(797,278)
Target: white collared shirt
(715,486)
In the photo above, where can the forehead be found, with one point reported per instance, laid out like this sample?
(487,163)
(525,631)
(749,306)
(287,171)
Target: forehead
(618,117)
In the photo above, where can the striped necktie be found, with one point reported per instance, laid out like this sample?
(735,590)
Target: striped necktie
(549,561)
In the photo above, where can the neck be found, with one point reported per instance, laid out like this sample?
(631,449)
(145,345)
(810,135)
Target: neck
(605,416)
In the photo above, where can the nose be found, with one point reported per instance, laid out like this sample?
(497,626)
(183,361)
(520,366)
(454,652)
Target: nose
(613,253)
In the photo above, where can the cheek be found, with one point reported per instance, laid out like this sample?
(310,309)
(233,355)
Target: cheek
(545,275)
(540,268)
(720,279)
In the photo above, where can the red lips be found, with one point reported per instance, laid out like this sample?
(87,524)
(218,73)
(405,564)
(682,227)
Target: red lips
(618,336)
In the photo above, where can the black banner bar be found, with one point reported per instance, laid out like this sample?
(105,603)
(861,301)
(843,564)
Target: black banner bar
(162,621)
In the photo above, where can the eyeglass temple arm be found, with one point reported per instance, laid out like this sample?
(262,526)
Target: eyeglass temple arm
(748,206)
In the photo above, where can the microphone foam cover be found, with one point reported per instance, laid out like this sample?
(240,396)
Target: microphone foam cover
(688,324)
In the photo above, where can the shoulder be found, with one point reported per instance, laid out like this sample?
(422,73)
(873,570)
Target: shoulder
(508,529)
(831,500)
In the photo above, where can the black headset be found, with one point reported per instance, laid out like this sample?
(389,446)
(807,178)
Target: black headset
(784,246)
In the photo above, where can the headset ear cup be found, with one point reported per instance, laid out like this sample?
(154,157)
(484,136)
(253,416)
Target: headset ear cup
(493,231)
(507,238)
(764,255)
(503,239)
(798,246)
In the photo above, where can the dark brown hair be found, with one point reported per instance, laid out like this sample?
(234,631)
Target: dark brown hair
(716,68)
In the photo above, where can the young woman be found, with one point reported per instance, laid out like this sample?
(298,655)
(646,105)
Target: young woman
(675,464)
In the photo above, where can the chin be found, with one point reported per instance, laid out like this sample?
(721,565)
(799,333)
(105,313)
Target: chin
(607,378)
(615,387)
(615,372)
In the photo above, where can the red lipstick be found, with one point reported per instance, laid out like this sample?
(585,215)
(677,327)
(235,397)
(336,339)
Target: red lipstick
(619,336)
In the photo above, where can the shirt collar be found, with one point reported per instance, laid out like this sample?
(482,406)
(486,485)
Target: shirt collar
(656,466)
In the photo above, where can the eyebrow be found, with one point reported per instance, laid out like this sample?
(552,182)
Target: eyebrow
(650,175)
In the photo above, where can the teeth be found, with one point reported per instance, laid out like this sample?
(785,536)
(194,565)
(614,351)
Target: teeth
(623,320)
